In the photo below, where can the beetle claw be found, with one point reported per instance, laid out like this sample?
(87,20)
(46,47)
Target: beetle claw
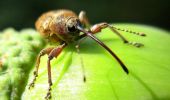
(31,85)
(48,96)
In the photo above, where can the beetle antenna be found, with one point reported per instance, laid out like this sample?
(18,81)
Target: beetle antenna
(104,46)
(129,31)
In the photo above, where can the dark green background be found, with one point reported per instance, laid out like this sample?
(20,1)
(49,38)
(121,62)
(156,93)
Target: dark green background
(23,13)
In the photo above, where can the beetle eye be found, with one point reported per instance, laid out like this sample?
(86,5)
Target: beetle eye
(72,29)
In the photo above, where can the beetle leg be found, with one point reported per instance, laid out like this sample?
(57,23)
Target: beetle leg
(54,53)
(98,27)
(0,63)
(83,19)
(81,59)
(42,53)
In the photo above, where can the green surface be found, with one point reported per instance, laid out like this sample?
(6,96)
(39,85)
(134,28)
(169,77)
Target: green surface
(149,68)
(18,51)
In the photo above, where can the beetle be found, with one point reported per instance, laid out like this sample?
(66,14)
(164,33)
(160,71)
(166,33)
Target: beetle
(64,27)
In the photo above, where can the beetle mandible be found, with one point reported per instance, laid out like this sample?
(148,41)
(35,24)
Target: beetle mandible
(64,27)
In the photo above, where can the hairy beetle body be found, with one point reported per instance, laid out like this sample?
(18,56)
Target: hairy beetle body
(64,27)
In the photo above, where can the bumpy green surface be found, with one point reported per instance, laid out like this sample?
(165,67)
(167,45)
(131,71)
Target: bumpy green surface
(149,66)
(18,51)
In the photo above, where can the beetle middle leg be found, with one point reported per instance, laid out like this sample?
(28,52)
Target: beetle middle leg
(98,27)
(81,59)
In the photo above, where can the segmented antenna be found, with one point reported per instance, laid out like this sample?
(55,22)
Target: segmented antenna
(129,31)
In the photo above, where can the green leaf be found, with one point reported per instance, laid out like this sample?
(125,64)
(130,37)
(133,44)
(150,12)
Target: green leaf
(149,68)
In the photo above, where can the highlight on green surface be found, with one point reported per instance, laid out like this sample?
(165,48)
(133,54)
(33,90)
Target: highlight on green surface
(148,78)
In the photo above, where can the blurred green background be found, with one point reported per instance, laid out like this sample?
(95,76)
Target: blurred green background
(23,13)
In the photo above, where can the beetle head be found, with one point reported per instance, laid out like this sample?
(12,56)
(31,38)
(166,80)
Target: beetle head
(71,25)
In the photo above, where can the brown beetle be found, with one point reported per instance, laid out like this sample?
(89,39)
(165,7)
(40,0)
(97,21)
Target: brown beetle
(64,27)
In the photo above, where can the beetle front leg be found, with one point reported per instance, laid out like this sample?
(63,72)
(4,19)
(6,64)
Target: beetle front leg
(35,73)
(98,27)
(54,53)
